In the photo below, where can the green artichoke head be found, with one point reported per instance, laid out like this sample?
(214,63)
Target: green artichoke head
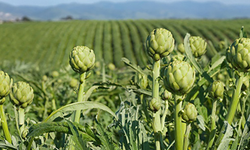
(73,83)
(189,113)
(160,43)
(181,48)
(166,95)
(55,74)
(21,94)
(222,45)
(198,46)
(217,89)
(82,59)
(154,105)
(111,66)
(179,77)
(142,80)
(238,54)
(5,84)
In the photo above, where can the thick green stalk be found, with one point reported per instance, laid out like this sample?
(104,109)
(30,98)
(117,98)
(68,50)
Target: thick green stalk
(235,101)
(213,126)
(186,137)
(156,116)
(178,124)
(233,107)
(21,119)
(80,96)
(5,125)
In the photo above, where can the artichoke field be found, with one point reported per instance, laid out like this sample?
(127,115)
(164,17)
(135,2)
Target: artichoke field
(180,100)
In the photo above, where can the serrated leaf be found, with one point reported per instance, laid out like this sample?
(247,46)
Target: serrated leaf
(6,145)
(227,137)
(78,106)
(245,135)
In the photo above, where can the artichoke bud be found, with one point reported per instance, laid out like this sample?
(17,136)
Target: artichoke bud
(73,83)
(5,84)
(189,113)
(21,94)
(179,77)
(82,59)
(155,105)
(222,45)
(111,66)
(198,46)
(181,48)
(238,54)
(166,95)
(55,74)
(142,80)
(217,89)
(160,43)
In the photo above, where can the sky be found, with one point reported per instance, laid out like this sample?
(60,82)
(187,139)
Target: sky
(56,2)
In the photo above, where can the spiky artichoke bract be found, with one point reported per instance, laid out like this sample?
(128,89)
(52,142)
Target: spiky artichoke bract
(190,113)
(160,43)
(217,89)
(197,45)
(5,84)
(179,77)
(238,54)
(82,59)
(21,94)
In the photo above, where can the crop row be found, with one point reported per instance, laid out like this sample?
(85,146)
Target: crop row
(47,44)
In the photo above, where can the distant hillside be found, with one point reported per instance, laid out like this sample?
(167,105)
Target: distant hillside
(128,10)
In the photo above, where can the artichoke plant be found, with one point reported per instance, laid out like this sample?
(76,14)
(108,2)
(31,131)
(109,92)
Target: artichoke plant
(82,59)
(189,113)
(217,89)
(21,94)
(5,84)
(238,54)
(166,95)
(198,46)
(179,77)
(160,43)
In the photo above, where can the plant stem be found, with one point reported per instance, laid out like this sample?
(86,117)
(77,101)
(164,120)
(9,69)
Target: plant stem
(164,115)
(178,124)
(186,137)
(233,107)
(4,124)
(156,124)
(235,100)
(21,119)
(213,126)
(80,96)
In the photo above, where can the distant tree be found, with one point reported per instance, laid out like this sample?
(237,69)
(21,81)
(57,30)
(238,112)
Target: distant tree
(25,18)
(67,18)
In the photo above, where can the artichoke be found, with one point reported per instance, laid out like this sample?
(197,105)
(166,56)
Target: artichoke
(73,83)
(111,66)
(197,45)
(21,94)
(155,105)
(55,74)
(166,95)
(217,89)
(181,48)
(141,80)
(189,113)
(5,84)
(179,77)
(82,59)
(238,54)
(160,43)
